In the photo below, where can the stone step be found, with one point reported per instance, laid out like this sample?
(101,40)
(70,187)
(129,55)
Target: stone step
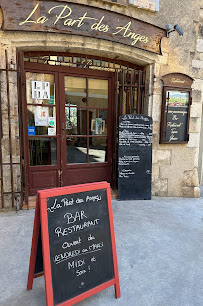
(32,200)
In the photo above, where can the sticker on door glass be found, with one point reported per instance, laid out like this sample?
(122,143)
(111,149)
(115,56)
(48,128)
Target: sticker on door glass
(51,132)
(40,90)
(52,121)
(41,116)
(31,130)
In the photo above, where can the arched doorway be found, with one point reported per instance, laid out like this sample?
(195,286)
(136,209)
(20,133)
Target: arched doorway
(69,118)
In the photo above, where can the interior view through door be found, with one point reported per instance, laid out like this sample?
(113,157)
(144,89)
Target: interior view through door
(70,128)
(86,141)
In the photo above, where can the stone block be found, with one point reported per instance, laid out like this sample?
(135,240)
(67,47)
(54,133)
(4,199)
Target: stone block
(196,96)
(7,178)
(160,187)
(191,192)
(156,127)
(194,139)
(163,59)
(157,90)
(197,84)
(156,70)
(161,157)
(195,125)
(200,45)
(155,141)
(196,109)
(196,192)
(197,64)
(155,171)
(191,178)
(156,107)
(7,201)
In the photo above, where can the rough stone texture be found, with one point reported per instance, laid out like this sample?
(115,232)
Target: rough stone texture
(196,109)
(179,54)
(195,125)
(191,192)
(200,45)
(191,178)
(193,140)
(161,157)
(181,159)
(155,171)
(159,187)
(156,110)
(197,64)
(196,95)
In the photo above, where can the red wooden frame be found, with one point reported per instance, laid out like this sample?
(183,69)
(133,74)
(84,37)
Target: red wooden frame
(61,168)
(41,218)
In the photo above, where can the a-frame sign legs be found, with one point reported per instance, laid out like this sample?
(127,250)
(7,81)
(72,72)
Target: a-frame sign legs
(33,253)
(115,262)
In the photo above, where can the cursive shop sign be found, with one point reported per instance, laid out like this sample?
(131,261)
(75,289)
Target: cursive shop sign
(78,19)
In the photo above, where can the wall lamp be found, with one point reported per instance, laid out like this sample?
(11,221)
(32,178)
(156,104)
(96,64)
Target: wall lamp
(170,29)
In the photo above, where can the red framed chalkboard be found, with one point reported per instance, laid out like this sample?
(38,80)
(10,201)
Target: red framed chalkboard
(78,243)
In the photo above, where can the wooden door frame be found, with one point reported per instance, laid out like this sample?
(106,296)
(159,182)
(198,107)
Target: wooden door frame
(44,167)
(103,75)
(58,72)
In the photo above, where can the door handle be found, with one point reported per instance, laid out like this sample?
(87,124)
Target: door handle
(63,129)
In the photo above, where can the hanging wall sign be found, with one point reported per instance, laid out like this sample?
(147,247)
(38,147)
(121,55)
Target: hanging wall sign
(79,19)
(175,108)
(73,243)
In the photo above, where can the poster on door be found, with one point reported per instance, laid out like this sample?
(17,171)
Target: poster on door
(41,116)
(40,90)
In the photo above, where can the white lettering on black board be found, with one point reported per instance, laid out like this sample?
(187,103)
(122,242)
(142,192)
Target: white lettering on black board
(80,240)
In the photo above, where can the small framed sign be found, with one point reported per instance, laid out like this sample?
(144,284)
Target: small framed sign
(175,108)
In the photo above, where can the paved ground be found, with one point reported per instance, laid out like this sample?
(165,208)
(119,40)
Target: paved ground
(159,255)
(201,191)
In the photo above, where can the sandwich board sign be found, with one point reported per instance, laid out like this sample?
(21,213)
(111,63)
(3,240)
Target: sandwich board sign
(73,243)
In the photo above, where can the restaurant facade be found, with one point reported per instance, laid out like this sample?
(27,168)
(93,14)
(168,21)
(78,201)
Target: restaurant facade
(69,69)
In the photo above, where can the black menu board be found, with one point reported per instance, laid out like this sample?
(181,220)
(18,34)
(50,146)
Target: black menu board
(79,242)
(134,157)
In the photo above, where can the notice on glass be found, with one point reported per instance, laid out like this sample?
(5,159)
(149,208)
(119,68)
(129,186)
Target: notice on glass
(41,116)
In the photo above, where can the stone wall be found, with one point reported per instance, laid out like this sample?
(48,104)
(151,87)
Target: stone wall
(10,132)
(174,166)
(197,64)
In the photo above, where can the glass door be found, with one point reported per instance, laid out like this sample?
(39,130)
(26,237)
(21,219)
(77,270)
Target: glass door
(69,132)
(85,148)
(42,139)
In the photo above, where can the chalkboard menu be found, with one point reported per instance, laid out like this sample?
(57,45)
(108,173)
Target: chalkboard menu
(176,116)
(175,108)
(134,157)
(78,243)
